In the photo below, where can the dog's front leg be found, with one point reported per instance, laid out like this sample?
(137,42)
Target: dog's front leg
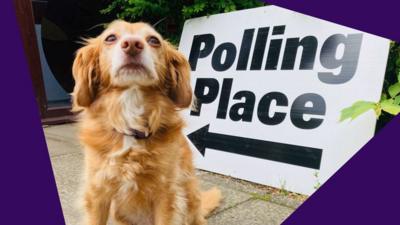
(164,212)
(97,207)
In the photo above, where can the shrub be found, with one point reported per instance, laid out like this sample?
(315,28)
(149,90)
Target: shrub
(169,16)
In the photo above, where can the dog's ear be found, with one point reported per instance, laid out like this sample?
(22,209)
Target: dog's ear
(178,78)
(86,75)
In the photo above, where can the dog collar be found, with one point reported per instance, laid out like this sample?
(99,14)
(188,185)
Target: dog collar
(136,134)
(139,134)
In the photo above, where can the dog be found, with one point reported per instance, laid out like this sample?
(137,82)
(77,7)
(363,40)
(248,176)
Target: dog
(130,85)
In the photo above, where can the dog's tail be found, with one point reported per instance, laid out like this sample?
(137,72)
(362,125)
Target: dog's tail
(210,200)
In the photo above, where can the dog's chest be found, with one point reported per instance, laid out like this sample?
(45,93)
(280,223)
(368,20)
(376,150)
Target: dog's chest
(136,217)
(132,103)
(119,171)
(122,176)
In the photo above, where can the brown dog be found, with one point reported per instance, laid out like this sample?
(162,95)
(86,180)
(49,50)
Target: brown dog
(130,85)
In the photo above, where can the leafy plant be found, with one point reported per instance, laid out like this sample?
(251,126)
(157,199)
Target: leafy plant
(283,189)
(318,183)
(389,104)
(169,16)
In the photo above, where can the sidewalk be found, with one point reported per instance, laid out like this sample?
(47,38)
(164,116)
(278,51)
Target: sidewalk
(244,203)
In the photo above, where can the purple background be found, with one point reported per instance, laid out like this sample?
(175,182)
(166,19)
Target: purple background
(364,191)
(27,186)
(376,17)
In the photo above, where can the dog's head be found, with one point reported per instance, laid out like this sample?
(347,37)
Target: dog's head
(130,54)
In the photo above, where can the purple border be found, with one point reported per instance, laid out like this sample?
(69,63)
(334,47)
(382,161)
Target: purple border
(362,192)
(28,191)
(376,17)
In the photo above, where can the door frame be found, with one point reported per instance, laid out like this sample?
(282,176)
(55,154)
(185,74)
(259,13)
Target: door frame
(25,10)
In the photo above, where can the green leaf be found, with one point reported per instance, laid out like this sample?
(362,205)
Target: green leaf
(397,100)
(378,110)
(394,90)
(383,96)
(357,109)
(389,106)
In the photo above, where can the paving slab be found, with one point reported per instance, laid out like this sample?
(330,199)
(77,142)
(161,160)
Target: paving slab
(222,180)
(62,139)
(244,202)
(255,190)
(64,131)
(252,212)
(231,197)
(68,174)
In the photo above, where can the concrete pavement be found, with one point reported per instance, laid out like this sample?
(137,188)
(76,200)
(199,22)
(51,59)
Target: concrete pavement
(244,203)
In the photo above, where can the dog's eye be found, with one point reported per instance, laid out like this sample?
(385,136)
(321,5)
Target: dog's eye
(111,38)
(153,41)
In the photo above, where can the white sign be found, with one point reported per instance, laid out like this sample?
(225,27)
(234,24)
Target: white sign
(270,85)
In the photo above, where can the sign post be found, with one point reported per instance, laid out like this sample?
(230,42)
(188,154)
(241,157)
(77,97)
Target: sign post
(270,84)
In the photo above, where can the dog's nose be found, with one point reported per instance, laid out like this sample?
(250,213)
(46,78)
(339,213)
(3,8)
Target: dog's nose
(132,46)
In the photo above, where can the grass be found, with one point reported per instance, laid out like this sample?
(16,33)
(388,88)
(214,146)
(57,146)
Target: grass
(262,197)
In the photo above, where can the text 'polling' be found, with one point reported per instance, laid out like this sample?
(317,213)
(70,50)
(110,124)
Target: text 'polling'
(338,55)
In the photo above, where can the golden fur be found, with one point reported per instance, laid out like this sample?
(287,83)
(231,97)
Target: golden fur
(147,181)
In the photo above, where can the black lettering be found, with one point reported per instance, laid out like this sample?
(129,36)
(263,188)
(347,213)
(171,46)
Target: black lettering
(196,52)
(264,107)
(202,97)
(224,99)
(299,109)
(348,62)
(309,45)
(278,30)
(259,48)
(247,106)
(245,49)
(273,54)
(230,50)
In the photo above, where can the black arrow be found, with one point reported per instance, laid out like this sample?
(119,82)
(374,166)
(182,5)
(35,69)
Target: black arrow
(280,152)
